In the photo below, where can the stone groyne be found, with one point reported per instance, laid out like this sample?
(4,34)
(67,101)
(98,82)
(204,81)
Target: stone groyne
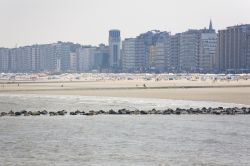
(177,111)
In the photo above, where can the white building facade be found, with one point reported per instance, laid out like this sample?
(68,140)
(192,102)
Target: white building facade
(207,54)
(129,55)
(86,58)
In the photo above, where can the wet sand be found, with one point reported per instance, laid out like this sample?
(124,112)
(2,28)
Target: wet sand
(221,91)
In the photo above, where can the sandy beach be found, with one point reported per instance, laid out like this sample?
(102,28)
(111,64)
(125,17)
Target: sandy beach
(198,90)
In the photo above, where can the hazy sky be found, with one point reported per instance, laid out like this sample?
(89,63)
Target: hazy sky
(25,22)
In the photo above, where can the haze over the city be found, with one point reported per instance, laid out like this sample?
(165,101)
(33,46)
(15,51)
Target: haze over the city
(29,22)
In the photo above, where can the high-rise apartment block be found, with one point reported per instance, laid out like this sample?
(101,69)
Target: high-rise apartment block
(129,61)
(174,61)
(86,57)
(101,59)
(4,59)
(233,53)
(73,61)
(160,53)
(189,51)
(197,50)
(208,44)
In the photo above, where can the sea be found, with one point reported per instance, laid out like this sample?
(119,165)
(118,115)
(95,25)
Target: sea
(127,140)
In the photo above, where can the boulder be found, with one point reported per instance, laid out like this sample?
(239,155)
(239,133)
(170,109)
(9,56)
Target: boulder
(217,111)
(52,113)
(136,112)
(23,112)
(92,112)
(101,112)
(229,111)
(72,113)
(11,113)
(112,112)
(77,112)
(18,114)
(44,112)
(122,111)
(248,110)
(3,114)
(177,111)
(184,111)
(35,113)
(167,112)
(82,113)
(143,112)
(62,113)
(239,111)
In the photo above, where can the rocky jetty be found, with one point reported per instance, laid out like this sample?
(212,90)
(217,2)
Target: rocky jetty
(177,111)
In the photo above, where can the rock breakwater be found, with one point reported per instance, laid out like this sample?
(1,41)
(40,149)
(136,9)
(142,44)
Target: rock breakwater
(177,111)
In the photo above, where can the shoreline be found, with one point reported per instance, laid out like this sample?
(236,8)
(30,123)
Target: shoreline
(225,95)
(129,88)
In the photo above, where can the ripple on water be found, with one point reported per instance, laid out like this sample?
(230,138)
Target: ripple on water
(125,140)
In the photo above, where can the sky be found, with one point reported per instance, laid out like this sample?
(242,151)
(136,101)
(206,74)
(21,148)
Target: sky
(27,22)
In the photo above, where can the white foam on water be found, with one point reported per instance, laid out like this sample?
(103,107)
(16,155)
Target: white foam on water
(71,103)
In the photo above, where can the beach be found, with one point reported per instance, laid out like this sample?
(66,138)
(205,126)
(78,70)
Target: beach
(236,91)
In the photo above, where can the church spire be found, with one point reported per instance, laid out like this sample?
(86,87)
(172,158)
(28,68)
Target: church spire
(210,25)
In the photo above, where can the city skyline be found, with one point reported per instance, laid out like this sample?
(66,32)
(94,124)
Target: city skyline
(194,50)
(86,22)
(123,38)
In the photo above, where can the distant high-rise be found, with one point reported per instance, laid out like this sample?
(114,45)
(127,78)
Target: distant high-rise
(148,51)
(129,63)
(159,57)
(4,59)
(101,62)
(208,43)
(175,53)
(197,50)
(233,53)
(115,49)
(86,58)
(189,50)
(145,56)
(13,62)
(73,61)
(35,58)
(62,51)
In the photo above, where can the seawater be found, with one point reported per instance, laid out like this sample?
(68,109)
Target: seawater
(125,140)
(107,140)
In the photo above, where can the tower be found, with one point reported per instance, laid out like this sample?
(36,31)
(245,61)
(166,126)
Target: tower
(114,49)
(210,25)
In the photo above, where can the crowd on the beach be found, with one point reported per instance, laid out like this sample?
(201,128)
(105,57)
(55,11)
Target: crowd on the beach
(12,77)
